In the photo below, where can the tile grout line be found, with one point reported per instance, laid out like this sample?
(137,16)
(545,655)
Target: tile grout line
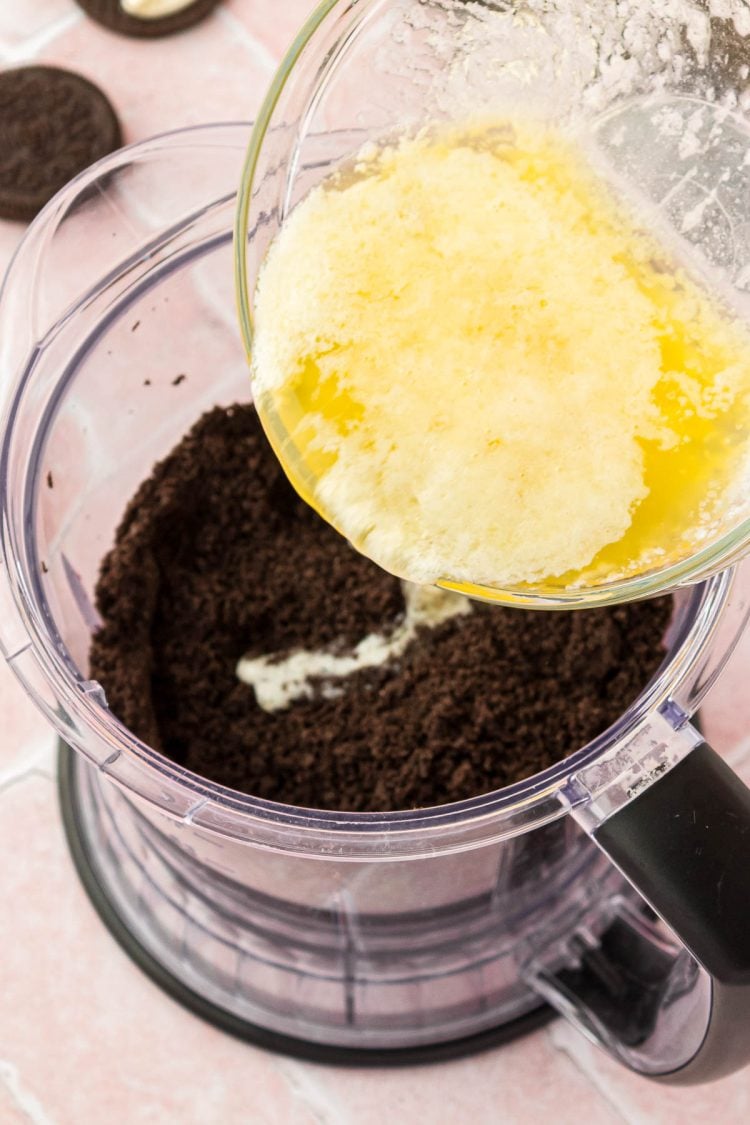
(738,755)
(35,770)
(591,1077)
(39,753)
(307,1093)
(29,48)
(242,35)
(26,1102)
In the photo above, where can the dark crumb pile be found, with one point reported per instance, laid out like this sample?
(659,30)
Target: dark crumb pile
(217,557)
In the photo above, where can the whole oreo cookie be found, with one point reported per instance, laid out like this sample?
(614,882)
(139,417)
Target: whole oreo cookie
(53,124)
(147,19)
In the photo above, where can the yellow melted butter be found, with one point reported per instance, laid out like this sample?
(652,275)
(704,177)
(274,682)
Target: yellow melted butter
(472,363)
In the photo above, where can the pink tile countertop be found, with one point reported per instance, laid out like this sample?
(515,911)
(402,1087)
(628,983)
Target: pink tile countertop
(84,1037)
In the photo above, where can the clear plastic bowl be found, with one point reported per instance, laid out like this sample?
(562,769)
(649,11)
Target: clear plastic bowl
(358,931)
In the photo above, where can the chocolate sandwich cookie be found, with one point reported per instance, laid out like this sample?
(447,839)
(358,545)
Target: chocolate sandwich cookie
(53,124)
(147,19)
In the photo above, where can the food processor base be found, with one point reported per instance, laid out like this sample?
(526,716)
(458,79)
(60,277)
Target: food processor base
(85,863)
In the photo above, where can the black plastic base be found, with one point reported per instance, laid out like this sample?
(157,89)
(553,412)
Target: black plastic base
(225,1021)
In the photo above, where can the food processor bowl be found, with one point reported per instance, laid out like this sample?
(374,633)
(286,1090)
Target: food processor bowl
(350,937)
(656,96)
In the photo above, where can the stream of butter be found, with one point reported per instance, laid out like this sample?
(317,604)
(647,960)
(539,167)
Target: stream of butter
(473,364)
(278,680)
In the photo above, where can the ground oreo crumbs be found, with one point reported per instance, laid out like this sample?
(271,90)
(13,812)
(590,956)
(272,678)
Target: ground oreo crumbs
(217,557)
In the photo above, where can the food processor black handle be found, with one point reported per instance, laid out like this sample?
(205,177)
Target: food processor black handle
(684,844)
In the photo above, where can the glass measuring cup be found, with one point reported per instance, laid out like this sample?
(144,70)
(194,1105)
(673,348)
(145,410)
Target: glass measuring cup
(658,103)
(348,937)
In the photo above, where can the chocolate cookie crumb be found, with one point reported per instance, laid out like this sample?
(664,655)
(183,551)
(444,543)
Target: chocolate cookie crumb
(217,557)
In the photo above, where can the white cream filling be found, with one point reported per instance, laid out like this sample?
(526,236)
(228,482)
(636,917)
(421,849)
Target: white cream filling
(153,9)
(279,680)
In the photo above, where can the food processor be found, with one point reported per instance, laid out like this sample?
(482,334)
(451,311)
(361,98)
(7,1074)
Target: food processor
(610,888)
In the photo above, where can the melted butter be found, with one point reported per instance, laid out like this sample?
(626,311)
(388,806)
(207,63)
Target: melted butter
(281,679)
(472,364)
